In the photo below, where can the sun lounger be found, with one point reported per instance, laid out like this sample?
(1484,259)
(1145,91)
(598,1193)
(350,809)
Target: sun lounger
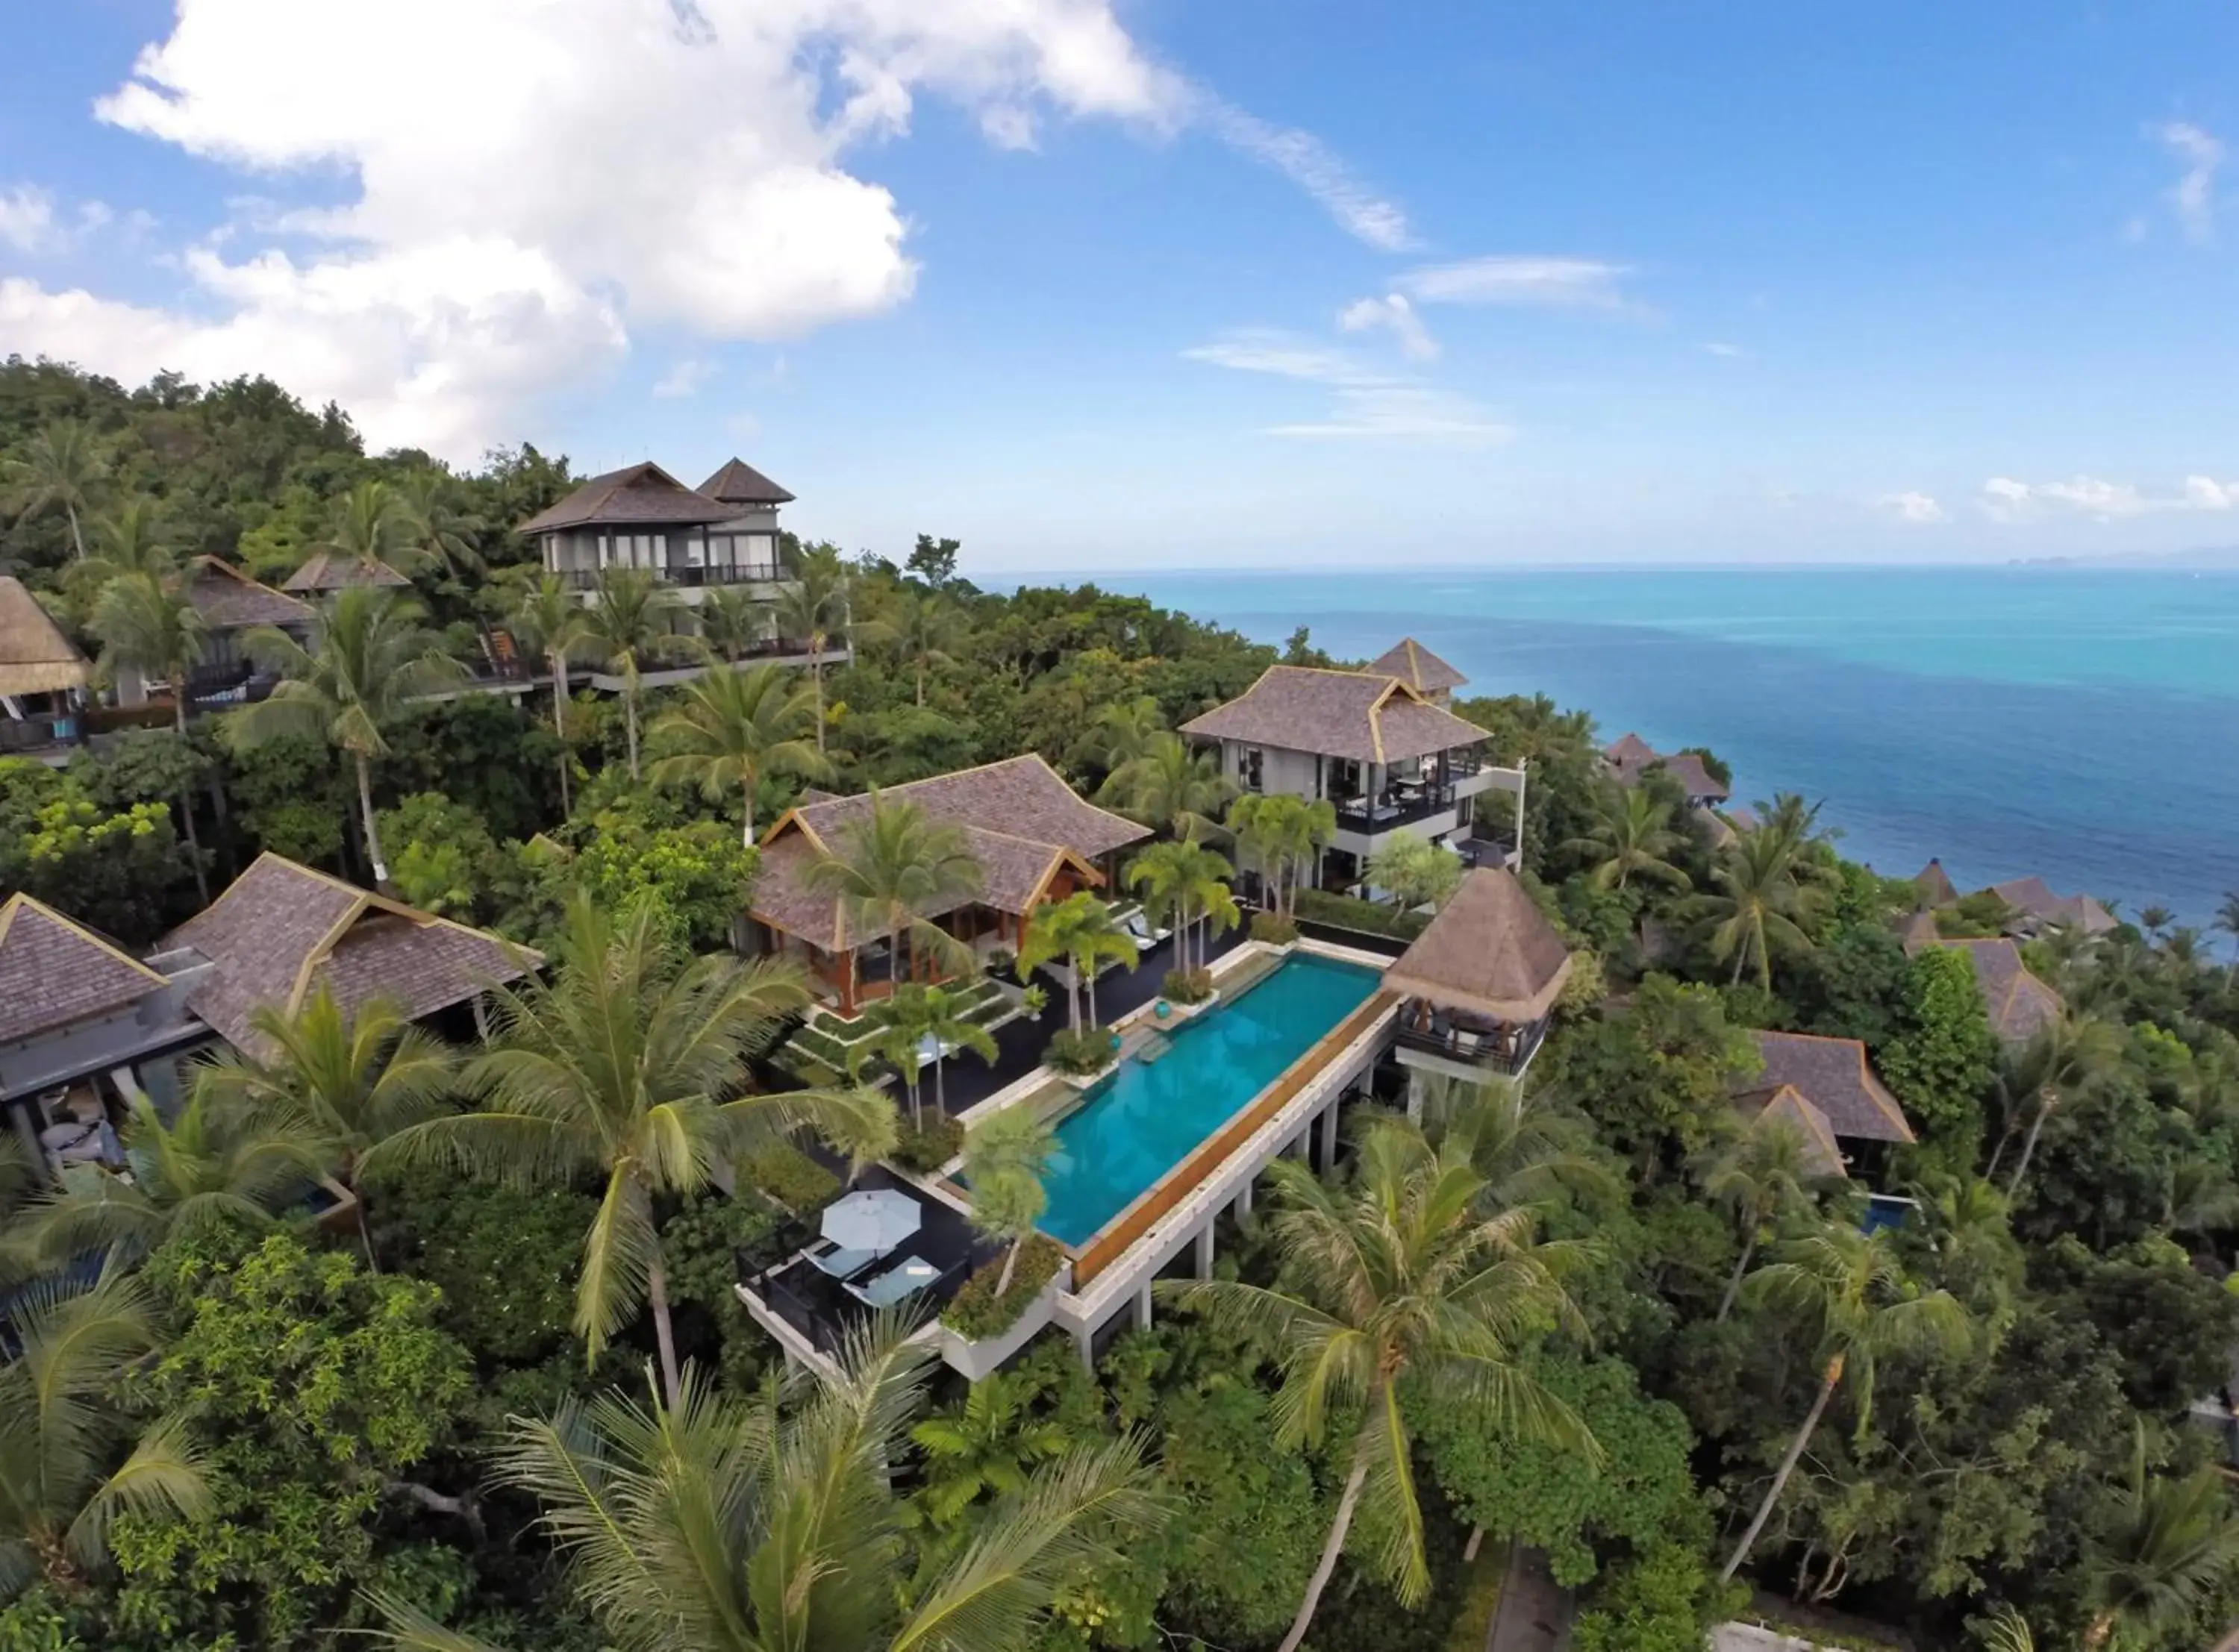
(905,1279)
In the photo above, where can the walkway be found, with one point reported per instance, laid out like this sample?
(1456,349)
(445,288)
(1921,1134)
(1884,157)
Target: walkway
(1535,1612)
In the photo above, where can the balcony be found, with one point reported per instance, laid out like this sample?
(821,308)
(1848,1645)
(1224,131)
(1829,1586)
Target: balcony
(1457,1039)
(1402,803)
(690,578)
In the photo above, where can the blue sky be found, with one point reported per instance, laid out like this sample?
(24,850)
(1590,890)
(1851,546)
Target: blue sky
(1263,281)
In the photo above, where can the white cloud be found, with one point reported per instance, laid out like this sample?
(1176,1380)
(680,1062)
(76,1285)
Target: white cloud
(2205,492)
(1395,313)
(1304,159)
(1916,508)
(2007,499)
(684,377)
(1729,351)
(2193,196)
(30,223)
(1367,401)
(1567,282)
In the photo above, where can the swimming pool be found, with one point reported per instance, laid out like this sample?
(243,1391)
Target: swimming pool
(1134,1126)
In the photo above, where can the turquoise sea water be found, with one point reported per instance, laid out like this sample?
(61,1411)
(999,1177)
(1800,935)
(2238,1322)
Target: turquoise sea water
(2079,724)
(1139,1123)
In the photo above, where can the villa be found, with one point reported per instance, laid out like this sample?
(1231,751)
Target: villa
(2037,909)
(41,670)
(326,572)
(1628,757)
(1829,1090)
(1036,840)
(723,532)
(1383,751)
(1479,982)
(2019,1003)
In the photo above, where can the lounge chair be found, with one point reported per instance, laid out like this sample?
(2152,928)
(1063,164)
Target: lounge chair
(831,1261)
(1145,933)
(904,1279)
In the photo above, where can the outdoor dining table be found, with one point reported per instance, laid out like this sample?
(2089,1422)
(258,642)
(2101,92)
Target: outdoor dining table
(906,1279)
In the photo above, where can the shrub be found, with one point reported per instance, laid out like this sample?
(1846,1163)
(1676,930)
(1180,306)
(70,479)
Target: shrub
(1079,1052)
(702,1244)
(930,1146)
(1188,986)
(505,1257)
(1344,911)
(1002,960)
(978,1313)
(789,1176)
(1274,928)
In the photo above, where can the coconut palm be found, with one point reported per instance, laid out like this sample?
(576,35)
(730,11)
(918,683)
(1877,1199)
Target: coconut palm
(370,523)
(1004,1157)
(130,540)
(895,866)
(1397,1281)
(150,631)
(944,1016)
(1851,1293)
(357,1077)
(1170,784)
(1282,835)
(734,729)
(2169,1544)
(630,1067)
(1761,1173)
(2066,1059)
(923,628)
(1632,836)
(2227,914)
(1757,905)
(894,1039)
(1531,1146)
(212,1165)
(436,532)
(552,624)
(1080,930)
(369,656)
(717,1523)
(732,620)
(812,610)
(988,1445)
(1184,884)
(62,464)
(1123,729)
(2007,1630)
(628,623)
(70,1463)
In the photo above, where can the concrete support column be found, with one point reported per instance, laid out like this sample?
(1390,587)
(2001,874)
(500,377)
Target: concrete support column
(1414,1097)
(1205,1247)
(1329,1136)
(1244,1199)
(1085,1340)
(1143,1306)
(1298,1147)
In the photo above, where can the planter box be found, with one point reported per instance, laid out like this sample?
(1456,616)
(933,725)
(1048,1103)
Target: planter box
(1082,1081)
(977,1361)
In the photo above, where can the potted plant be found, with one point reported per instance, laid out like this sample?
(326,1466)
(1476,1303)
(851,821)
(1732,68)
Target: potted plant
(1033,1001)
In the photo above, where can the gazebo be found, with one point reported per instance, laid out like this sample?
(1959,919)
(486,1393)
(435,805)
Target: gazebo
(35,660)
(1480,982)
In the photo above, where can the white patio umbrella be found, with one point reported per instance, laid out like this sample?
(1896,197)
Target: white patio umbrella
(875,1221)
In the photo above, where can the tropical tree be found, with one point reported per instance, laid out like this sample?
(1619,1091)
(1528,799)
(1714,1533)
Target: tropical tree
(1398,1281)
(1283,836)
(944,1016)
(62,464)
(735,728)
(2168,1544)
(1531,1146)
(130,540)
(1849,1292)
(1758,904)
(1416,871)
(905,1022)
(1184,884)
(988,1446)
(1170,784)
(924,628)
(369,657)
(629,624)
(552,624)
(2066,1059)
(2227,914)
(436,531)
(894,866)
(2007,1630)
(732,620)
(1080,930)
(70,1463)
(1122,731)
(1761,1172)
(354,1078)
(210,1165)
(812,610)
(1632,836)
(1005,1155)
(629,1065)
(150,631)
(720,1523)
(370,523)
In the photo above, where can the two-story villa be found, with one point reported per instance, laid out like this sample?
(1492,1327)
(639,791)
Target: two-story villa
(723,532)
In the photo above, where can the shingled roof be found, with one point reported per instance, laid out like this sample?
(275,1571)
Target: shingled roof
(35,658)
(1336,713)
(1785,1107)
(2020,1004)
(282,931)
(1694,776)
(54,972)
(740,483)
(1935,884)
(2033,899)
(1490,949)
(1833,1075)
(1021,819)
(228,600)
(1417,666)
(328,572)
(1628,754)
(643,495)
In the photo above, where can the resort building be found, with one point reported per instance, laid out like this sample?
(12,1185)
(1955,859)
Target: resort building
(1477,986)
(1035,838)
(1628,757)
(42,674)
(1380,750)
(327,572)
(1827,1088)
(1420,669)
(2019,1003)
(2037,909)
(724,533)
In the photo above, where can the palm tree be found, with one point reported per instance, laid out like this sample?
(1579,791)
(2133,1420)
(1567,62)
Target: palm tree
(553,624)
(989,1445)
(355,1078)
(895,864)
(923,628)
(894,1039)
(1282,834)
(62,464)
(812,610)
(1632,836)
(369,657)
(2227,915)
(1080,930)
(1398,1281)
(628,625)
(370,523)
(1170,784)
(436,532)
(130,541)
(1185,884)
(2154,919)
(629,1066)
(944,1016)
(732,620)
(1851,1290)
(69,1463)
(1761,1173)
(1758,904)
(734,729)
(210,1165)
(2007,1630)
(1123,730)
(1530,1145)
(1004,1157)
(2067,1058)
(2169,1545)
(719,1523)
(152,631)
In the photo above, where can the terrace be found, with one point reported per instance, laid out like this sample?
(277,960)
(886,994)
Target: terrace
(1480,980)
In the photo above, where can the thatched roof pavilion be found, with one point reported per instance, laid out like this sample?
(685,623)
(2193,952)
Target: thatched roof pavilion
(1491,952)
(35,658)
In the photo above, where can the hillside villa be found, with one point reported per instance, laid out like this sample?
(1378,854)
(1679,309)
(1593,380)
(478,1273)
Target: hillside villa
(1828,1089)
(1628,757)
(42,673)
(723,532)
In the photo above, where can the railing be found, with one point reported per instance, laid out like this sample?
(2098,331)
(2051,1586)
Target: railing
(29,733)
(585,579)
(1507,1051)
(1360,815)
(1188,1176)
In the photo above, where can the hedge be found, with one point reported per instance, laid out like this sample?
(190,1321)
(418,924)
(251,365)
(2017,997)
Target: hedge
(789,1176)
(978,1313)
(1345,912)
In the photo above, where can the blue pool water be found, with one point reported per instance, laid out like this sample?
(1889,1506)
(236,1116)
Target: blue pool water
(1134,1126)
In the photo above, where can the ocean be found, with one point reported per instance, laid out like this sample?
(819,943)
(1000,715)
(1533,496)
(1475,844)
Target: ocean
(2083,725)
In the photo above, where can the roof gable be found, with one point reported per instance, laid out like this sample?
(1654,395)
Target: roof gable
(228,600)
(1349,714)
(35,658)
(54,972)
(1417,666)
(1786,1106)
(1490,949)
(740,483)
(1833,1075)
(328,572)
(643,494)
(2019,1003)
